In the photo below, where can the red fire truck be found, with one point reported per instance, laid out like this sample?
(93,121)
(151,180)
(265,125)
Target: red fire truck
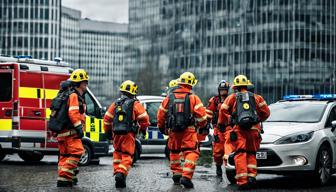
(27,87)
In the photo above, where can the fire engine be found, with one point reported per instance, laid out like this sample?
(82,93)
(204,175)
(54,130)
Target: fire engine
(27,88)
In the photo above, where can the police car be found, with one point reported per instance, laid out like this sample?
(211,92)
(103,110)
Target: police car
(155,142)
(299,137)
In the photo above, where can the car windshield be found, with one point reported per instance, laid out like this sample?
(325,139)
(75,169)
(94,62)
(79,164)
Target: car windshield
(301,112)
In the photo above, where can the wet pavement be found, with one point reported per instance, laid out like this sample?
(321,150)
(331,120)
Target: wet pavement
(151,173)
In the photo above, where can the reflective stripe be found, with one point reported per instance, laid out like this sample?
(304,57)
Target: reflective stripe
(68,170)
(175,162)
(63,179)
(252,175)
(117,161)
(198,106)
(225,106)
(123,167)
(107,123)
(262,104)
(209,116)
(255,128)
(188,169)
(73,108)
(77,123)
(109,114)
(142,115)
(5,124)
(50,93)
(191,127)
(202,118)
(190,162)
(163,109)
(72,162)
(209,111)
(68,133)
(252,166)
(241,175)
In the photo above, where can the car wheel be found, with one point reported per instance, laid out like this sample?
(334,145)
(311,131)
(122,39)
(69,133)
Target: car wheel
(30,156)
(323,167)
(86,157)
(231,176)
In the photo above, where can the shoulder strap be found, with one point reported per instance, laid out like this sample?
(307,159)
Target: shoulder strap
(187,103)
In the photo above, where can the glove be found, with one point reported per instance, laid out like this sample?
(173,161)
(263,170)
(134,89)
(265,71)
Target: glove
(144,133)
(221,128)
(79,130)
(204,130)
(109,135)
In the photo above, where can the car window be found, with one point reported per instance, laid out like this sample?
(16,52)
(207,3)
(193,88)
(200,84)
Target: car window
(90,105)
(152,109)
(6,86)
(331,117)
(301,112)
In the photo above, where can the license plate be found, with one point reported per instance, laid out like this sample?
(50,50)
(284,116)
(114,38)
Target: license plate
(261,155)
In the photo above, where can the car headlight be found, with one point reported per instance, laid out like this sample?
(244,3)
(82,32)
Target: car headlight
(295,138)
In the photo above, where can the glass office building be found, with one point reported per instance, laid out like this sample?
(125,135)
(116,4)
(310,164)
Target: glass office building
(283,46)
(30,27)
(102,47)
(70,35)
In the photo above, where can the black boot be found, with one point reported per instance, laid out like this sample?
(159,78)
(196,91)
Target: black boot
(75,179)
(64,183)
(219,171)
(187,183)
(120,180)
(245,186)
(252,182)
(177,179)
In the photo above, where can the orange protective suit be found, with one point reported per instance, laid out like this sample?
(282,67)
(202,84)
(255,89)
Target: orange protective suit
(248,141)
(124,145)
(221,148)
(185,141)
(70,145)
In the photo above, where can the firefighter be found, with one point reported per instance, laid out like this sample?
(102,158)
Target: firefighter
(181,115)
(69,139)
(123,120)
(244,111)
(219,135)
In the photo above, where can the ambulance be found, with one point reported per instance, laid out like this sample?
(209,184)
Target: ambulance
(27,87)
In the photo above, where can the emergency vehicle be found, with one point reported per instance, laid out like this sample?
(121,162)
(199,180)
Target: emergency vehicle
(27,88)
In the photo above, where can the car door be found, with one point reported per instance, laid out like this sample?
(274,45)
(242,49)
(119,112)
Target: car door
(332,117)
(93,122)
(154,135)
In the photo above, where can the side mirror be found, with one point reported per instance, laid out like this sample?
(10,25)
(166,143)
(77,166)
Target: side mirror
(103,111)
(333,126)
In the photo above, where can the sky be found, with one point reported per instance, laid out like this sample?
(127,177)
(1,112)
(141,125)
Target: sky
(103,10)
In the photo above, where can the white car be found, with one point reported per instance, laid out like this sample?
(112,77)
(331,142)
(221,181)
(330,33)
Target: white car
(299,137)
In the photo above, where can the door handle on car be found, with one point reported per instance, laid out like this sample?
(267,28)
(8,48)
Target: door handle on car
(37,113)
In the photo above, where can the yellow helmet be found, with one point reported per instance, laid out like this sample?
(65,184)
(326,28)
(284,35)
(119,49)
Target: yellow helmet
(249,83)
(173,83)
(79,75)
(129,87)
(187,78)
(240,80)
